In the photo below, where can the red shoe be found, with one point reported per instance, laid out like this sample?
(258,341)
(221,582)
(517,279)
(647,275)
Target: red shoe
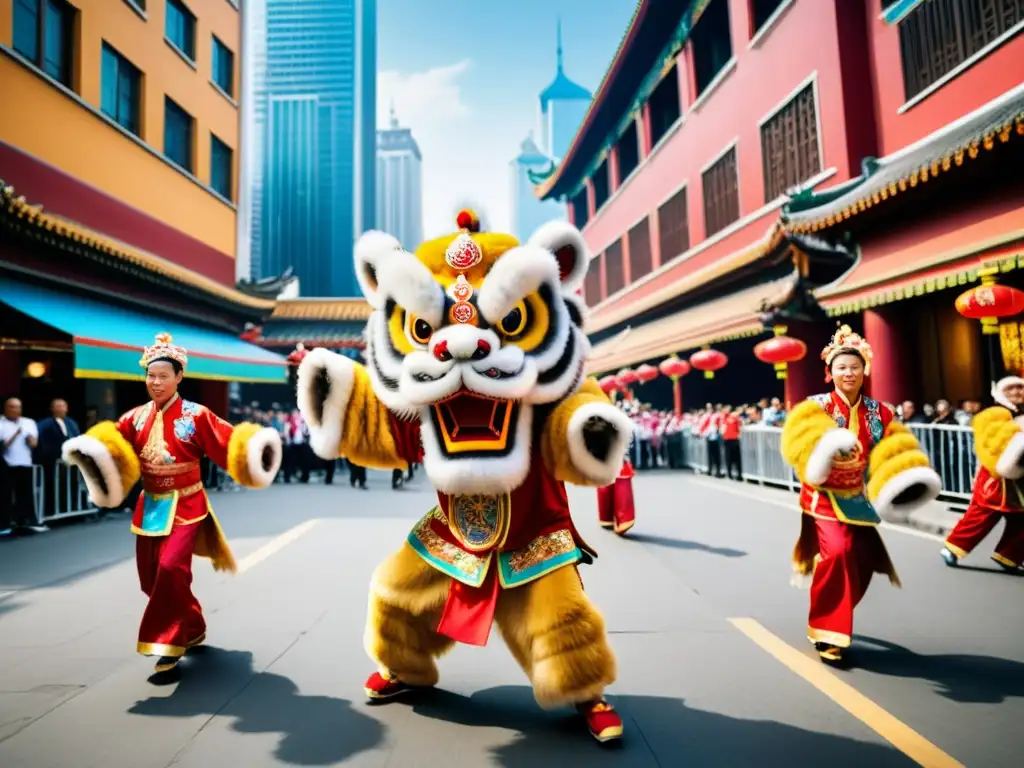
(379,686)
(603,721)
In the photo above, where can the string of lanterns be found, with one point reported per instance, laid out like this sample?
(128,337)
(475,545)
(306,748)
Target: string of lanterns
(987,302)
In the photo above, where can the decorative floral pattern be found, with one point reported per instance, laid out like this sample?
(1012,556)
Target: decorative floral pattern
(477,520)
(540,550)
(874,417)
(446,552)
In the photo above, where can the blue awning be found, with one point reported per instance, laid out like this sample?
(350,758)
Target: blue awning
(109,339)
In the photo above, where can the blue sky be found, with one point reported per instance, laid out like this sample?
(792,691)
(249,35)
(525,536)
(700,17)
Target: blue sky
(465,77)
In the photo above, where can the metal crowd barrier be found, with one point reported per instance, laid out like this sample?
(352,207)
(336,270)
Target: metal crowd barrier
(949,447)
(67,492)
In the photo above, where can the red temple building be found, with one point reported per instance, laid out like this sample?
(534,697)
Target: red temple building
(748,163)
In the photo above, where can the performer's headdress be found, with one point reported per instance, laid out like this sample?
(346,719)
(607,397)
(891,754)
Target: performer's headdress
(846,342)
(1000,387)
(163,349)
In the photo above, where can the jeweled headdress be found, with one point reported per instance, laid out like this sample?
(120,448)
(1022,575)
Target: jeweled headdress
(164,349)
(846,342)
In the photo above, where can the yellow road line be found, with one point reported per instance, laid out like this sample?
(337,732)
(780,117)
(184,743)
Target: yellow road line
(902,736)
(274,545)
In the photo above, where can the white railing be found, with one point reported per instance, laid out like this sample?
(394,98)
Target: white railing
(950,448)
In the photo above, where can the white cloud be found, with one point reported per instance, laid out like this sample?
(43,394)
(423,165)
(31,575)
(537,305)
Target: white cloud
(466,153)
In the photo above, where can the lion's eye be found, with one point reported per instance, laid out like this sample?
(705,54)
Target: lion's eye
(514,322)
(420,330)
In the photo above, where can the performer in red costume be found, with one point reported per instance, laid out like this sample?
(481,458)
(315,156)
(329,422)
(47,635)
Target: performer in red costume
(856,462)
(998,488)
(163,442)
(615,507)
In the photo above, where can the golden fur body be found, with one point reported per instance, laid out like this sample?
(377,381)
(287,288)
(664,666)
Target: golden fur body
(368,414)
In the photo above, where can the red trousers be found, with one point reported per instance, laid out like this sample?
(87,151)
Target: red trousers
(977,522)
(848,556)
(615,507)
(173,617)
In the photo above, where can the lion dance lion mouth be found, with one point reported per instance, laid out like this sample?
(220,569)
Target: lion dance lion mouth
(469,423)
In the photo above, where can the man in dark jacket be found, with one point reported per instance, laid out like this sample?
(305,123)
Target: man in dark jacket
(60,488)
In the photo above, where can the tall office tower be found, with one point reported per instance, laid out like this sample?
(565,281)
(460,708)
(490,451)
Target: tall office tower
(399,184)
(311,167)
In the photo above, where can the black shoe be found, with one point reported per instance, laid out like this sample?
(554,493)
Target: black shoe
(166,664)
(829,654)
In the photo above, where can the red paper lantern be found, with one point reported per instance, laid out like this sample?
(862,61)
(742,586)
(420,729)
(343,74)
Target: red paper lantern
(646,373)
(709,361)
(780,351)
(608,384)
(674,368)
(990,301)
(626,376)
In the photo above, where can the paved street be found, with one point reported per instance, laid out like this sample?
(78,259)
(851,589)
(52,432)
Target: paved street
(713,665)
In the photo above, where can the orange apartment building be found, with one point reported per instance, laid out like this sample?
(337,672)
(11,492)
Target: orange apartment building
(119,153)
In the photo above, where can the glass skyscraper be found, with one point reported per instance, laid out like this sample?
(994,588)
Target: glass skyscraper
(312,137)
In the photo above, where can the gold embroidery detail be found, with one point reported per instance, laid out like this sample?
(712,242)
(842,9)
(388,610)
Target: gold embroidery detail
(479,523)
(445,551)
(541,549)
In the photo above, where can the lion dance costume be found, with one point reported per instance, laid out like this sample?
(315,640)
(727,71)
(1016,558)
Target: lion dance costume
(998,487)
(855,462)
(475,352)
(173,518)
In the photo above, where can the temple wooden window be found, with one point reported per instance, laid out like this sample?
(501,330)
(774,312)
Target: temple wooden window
(179,126)
(580,211)
(44,34)
(761,12)
(789,145)
(940,35)
(614,271)
(628,148)
(712,43)
(600,180)
(221,164)
(640,250)
(721,194)
(664,105)
(674,226)
(121,90)
(592,283)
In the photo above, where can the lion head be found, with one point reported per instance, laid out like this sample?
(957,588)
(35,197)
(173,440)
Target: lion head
(471,333)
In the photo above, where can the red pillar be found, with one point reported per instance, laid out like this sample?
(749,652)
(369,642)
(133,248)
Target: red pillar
(807,377)
(889,369)
(214,395)
(677,395)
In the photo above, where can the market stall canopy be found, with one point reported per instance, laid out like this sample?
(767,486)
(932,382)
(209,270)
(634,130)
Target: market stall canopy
(109,339)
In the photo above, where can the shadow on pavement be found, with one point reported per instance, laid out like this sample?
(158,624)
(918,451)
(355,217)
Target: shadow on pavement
(315,730)
(695,546)
(659,731)
(958,677)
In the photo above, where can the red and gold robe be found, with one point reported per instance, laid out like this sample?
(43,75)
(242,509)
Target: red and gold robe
(839,542)
(615,506)
(173,518)
(994,497)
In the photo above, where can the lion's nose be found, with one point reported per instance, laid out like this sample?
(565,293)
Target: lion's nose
(443,353)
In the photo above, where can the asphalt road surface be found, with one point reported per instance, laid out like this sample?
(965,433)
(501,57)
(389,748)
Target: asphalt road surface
(714,668)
